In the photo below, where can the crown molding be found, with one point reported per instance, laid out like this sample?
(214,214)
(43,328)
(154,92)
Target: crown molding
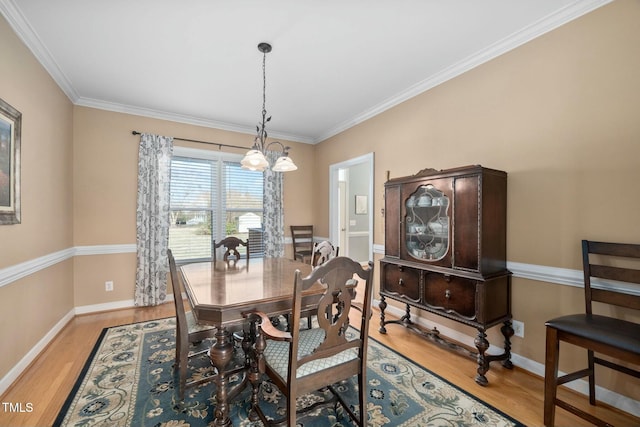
(182,118)
(31,39)
(26,33)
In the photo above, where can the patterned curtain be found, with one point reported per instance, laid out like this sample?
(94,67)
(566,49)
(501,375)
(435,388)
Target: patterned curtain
(273,210)
(152,219)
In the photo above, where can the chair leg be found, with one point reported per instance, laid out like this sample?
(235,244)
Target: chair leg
(592,378)
(551,376)
(291,410)
(362,399)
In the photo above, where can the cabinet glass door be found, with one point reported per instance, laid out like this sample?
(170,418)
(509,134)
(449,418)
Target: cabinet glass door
(427,223)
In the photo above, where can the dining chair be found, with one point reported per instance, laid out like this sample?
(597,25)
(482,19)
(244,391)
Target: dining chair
(188,332)
(304,360)
(230,245)
(323,252)
(610,335)
(302,239)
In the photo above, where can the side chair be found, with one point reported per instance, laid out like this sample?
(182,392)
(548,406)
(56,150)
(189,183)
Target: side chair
(609,335)
(301,361)
(231,244)
(188,331)
(302,240)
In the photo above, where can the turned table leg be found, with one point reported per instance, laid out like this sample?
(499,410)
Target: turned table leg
(221,354)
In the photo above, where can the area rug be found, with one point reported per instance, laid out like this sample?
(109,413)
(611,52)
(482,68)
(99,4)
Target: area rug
(129,381)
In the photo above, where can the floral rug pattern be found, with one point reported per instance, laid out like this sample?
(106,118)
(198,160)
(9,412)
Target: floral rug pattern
(129,381)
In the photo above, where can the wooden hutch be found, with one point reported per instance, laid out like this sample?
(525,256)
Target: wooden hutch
(445,253)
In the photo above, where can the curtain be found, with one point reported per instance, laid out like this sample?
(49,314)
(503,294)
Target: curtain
(152,219)
(273,215)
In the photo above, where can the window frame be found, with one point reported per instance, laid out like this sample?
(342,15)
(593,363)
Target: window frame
(218,207)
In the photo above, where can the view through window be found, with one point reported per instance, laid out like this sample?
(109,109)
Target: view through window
(212,198)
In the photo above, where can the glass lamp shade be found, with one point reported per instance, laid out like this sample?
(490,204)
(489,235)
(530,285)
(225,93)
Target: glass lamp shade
(254,160)
(284,164)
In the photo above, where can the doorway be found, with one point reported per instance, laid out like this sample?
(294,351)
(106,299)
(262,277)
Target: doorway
(351,207)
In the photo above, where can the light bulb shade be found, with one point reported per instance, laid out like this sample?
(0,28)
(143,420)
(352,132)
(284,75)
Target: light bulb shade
(284,164)
(254,160)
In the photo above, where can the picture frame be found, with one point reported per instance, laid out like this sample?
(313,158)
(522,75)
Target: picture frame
(10,132)
(361,205)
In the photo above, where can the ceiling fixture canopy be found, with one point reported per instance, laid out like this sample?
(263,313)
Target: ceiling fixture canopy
(255,158)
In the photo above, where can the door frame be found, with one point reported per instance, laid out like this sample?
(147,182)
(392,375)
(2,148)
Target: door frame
(334,205)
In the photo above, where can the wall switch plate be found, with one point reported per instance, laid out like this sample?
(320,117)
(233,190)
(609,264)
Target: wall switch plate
(518,328)
(108,286)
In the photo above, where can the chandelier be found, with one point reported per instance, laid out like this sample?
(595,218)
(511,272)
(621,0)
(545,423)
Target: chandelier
(255,158)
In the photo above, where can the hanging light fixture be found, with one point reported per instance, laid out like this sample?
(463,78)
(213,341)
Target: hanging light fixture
(255,158)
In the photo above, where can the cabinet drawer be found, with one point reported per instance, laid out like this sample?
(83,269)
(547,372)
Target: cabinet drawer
(450,293)
(400,280)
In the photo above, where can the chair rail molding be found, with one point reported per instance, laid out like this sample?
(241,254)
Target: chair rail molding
(541,273)
(18,271)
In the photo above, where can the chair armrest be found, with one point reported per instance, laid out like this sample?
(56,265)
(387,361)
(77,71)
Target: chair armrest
(266,326)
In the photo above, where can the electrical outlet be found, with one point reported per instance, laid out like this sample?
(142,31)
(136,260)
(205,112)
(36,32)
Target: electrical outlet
(518,328)
(108,286)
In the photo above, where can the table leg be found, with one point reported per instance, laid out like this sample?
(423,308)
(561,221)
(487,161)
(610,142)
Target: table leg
(220,355)
(256,366)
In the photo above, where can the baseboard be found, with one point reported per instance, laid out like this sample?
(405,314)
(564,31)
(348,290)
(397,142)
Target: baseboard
(28,358)
(115,305)
(604,395)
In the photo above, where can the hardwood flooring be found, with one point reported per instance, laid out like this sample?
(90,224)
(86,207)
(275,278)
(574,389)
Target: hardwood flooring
(44,386)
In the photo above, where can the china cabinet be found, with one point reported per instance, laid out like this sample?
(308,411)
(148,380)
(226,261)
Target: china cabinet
(445,253)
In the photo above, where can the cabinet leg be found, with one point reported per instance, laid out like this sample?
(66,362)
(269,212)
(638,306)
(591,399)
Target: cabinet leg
(483,364)
(507,332)
(382,306)
(406,319)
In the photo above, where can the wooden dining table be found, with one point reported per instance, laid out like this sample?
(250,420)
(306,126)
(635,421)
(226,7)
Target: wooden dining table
(221,293)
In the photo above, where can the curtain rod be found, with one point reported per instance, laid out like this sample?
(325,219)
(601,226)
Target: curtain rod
(219,144)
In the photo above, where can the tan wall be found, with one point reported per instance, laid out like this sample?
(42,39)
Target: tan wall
(31,306)
(105,176)
(560,115)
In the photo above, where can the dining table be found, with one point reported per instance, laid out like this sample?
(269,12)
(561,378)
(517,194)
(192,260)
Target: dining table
(221,293)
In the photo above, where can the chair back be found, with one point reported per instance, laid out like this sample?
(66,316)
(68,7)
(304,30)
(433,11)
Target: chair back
(302,240)
(182,327)
(339,277)
(323,252)
(231,244)
(603,260)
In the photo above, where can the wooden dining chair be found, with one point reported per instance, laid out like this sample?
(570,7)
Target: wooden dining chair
(304,360)
(302,239)
(188,332)
(323,252)
(603,334)
(231,245)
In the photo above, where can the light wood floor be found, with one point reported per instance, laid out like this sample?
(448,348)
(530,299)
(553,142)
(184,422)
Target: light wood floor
(47,382)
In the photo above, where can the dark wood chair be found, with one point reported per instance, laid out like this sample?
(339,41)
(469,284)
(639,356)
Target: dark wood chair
(188,331)
(304,360)
(231,245)
(323,252)
(302,239)
(607,335)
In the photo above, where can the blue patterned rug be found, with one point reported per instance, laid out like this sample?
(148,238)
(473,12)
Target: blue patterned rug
(129,381)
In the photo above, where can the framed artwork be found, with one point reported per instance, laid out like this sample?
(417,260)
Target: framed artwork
(361,205)
(10,125)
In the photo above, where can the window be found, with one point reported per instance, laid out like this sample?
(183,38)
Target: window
(212,197)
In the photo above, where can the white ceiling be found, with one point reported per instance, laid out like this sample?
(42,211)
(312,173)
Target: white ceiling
(335,63)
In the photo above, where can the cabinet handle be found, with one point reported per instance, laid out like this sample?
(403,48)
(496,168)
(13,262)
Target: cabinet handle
(447,294)
(400,282)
